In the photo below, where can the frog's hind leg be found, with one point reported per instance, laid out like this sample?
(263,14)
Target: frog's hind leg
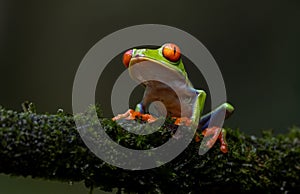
(214,131)
(204,120)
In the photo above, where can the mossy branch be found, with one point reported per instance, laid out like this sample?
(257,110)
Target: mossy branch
(48,146)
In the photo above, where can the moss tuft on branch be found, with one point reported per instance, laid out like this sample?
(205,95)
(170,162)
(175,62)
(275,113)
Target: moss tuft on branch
(49,146)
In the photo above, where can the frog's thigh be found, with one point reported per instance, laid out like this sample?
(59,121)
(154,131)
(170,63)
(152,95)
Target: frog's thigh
(204,120)
(198,106)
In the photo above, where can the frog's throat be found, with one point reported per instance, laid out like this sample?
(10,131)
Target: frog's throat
(142,69)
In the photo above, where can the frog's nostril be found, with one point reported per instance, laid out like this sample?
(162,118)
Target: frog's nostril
(127,57)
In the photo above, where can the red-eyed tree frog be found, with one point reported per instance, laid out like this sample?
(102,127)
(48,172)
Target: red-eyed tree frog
(186,104)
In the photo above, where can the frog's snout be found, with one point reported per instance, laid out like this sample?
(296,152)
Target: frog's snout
(127,57)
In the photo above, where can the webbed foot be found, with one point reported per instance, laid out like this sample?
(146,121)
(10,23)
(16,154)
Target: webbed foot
(215,133)
(132,115)
(183,121)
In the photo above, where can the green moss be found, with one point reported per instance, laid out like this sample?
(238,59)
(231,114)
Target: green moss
(48,146)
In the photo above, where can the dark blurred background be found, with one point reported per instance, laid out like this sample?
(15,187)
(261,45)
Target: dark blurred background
(255,43)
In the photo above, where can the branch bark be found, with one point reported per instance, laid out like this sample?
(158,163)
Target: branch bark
(48,146)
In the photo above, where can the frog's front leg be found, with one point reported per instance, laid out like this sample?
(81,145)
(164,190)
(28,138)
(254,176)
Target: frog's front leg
(198,107)
(137,113)
(196,111)
(215,132)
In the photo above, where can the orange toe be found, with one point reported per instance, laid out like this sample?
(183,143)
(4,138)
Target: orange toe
(224,148)
(217,134)
(183,121)
(214,133)
(197,138)
(131,115)
(147,117)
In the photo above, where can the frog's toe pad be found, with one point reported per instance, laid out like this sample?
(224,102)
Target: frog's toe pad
(224,148)
(222,138)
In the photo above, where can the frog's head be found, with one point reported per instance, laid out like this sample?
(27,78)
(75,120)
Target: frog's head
(163,62)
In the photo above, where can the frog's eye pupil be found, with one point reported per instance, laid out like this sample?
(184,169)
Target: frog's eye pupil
(171,52)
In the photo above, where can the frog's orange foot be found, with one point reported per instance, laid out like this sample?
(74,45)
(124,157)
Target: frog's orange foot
(131,115)
(197,137)
(222,138)
(216,134)
(147,117)
(183,121)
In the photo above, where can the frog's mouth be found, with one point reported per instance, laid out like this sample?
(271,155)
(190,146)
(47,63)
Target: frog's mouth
(147,70)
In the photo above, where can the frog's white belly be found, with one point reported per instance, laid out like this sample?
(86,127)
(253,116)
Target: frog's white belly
(153,74)
(156,91)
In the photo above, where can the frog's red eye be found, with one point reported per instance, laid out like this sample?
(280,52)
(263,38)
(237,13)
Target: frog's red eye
(127,57)
(171,52)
